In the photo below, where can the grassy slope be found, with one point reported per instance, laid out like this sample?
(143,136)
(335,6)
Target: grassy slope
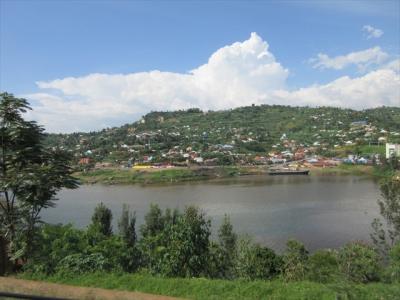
(124,176)
(358,170)
(224,289)
(115,176)
(118,176)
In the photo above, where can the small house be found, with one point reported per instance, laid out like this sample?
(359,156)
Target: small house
(392,150)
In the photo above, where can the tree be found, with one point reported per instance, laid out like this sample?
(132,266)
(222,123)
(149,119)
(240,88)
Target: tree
(227,241)
(295,261)
(30,176)
(323,266)
(394,264)
(126,226)
(359,262)
(227,237)
(255,262)
(384,237)
(101,219)
(153,221)
(187,244)
(175,244)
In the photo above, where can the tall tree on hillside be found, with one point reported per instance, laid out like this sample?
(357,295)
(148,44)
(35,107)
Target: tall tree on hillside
(30,175)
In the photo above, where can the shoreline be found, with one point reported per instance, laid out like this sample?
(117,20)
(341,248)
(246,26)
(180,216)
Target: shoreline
(182,174)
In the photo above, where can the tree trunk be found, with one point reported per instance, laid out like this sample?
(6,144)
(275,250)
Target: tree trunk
(4,262)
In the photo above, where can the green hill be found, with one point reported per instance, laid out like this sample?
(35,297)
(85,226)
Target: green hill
(167,136)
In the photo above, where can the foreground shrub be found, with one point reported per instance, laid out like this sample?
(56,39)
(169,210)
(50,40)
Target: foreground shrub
(81,263)
(53,243)
(216,267)
(177,245)
(295,261)
(323,266)
(227,240)
(120,255)
(256,262)
(359,262)
(393,270)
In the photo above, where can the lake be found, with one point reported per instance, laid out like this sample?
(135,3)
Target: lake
(320,211)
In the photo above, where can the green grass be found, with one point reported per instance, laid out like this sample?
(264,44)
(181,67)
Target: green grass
(115,176)
(344,169)
(362,150)
(199,288)
(358,170)
(373,149)
(130,176)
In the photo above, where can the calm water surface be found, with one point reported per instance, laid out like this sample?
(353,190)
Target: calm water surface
(321,211)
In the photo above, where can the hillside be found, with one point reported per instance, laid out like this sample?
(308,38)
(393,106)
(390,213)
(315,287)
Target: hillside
(241,132)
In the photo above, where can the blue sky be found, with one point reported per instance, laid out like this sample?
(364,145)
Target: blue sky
(45,41)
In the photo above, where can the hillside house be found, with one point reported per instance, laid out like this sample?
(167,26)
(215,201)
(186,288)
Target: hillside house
(392,150)
(84,161)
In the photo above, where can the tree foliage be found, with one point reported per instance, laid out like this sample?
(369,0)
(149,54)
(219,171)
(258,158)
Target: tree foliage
(101,219)
(126,226)
(386,235)
(359,262)
(255,262)
(323,266)
(30,176)
(295,261)
(183,247)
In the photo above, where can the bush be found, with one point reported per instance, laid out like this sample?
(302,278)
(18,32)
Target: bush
(102,218)
(256,262)
(120,255)
(216,267)
(227,240)
(323,266)
(55,242)
(295,261)
(81,263)
(359,262)
(393,270)
(176,245)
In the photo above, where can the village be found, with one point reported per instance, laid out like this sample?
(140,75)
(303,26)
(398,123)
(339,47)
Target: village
(362,144)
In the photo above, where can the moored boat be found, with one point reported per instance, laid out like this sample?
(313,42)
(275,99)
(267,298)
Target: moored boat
(288,172)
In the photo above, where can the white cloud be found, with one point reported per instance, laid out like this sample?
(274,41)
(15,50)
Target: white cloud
(362,59)
(236,75)
(377,88)
(372,32)
(393,65)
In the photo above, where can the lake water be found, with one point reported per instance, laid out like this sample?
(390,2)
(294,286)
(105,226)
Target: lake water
(320,211)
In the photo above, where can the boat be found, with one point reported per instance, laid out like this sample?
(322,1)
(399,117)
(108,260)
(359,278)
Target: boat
(288,172)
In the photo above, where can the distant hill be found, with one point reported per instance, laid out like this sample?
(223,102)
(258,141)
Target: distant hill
(244,130)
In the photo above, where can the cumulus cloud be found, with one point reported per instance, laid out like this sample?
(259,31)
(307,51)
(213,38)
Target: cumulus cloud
(377,88)
(372,32)
(393,65)
(236,75)
(362,59)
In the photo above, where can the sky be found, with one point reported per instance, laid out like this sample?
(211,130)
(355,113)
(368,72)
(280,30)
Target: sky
(91,64)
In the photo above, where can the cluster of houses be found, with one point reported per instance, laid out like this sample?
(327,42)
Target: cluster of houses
(189,157)
(148,148)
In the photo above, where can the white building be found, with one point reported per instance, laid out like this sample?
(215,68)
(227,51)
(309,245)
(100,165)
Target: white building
(392,149)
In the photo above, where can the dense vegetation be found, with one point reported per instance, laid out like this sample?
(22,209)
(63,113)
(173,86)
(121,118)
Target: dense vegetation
(246,130)
(172,243)
(215,289)
(30,177)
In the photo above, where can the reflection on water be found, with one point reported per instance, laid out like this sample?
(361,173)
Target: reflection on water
(321,211)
